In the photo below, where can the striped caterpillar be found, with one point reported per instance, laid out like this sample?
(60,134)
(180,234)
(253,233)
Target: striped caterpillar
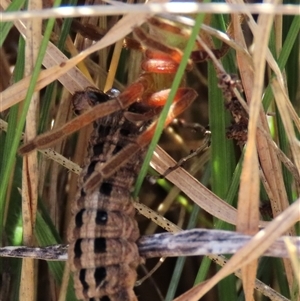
(102,252)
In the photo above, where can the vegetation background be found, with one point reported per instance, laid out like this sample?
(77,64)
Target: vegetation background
(39,214)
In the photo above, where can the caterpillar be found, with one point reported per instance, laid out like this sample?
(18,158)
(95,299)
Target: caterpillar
(102,252)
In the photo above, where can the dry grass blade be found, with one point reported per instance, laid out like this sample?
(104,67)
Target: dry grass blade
(174,244)
(247,211)
(156,8)
(30,164)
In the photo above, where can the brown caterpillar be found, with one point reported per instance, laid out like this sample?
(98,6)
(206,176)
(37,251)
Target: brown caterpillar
(102,252)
